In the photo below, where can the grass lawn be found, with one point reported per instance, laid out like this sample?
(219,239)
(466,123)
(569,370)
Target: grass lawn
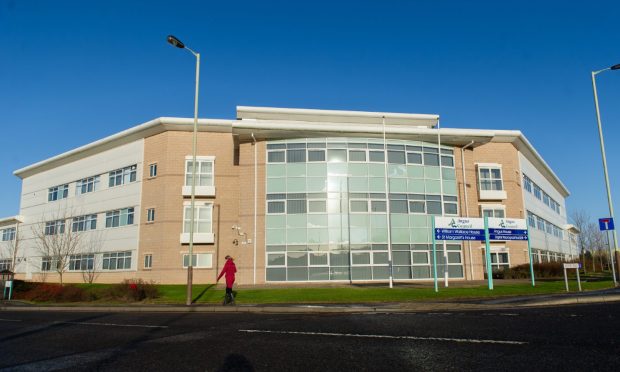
(171,294)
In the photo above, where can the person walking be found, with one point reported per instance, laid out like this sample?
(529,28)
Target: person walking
(229,270)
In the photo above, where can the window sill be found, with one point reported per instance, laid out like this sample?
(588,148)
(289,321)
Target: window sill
(199,238)
(493,195)
(200,191)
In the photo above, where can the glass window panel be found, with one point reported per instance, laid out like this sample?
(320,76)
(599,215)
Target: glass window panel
(380,272)
(415,171)
(447,161)
(402,272)
(339,273)
(316,184)
(431,173)
(359,206)
(448,174)
(275,259)
(361,273)
(398,185)
(376,170)
(318,259)
(433,207)
(419,257)
(317,206)
(337,156)
(296,170)
(273,157)
(450,208)
(357,155)
(316,155)
(376,184)
(396,157)
(361,258)
(433,186)
(380,258)
(318,273)
(295,206)
(275,207)
(416,207)
(398,206)
(339,258)
(414,158)
(454,257)
(376,156)
(358,170)
(455,271)
(296,156)
(431,159)
(297,259)
(378,235)
(421,272)
(402,258)
(378,206)
(276,275)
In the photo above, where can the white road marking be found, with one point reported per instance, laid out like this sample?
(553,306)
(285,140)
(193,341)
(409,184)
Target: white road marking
(114,324)
(508,314)
(10,320)
(463,340)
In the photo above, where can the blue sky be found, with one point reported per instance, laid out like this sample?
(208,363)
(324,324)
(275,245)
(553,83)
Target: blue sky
(72,72)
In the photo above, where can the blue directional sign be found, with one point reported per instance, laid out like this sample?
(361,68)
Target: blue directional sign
(606,223)
(507,229)
(455,228)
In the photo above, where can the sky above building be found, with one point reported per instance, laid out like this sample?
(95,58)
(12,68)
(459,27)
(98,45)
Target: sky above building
(72,72)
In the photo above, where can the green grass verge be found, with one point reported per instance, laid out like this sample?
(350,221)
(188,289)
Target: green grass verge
(205,294)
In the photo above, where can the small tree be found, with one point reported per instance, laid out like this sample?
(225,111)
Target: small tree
(56,241)
(92,246)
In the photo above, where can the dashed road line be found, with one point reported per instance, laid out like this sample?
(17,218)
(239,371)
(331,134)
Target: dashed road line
(114,324)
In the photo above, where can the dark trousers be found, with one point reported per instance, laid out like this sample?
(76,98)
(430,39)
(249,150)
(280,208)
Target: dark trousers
(229,290)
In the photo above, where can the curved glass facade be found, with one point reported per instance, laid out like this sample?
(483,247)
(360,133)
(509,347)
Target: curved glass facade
(327,209)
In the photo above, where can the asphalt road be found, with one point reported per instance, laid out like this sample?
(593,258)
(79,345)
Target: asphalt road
(571,338)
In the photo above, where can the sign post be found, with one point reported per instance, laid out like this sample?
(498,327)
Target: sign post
(487,253)
(435,258)
(572,266)
(607,224)
(454,228)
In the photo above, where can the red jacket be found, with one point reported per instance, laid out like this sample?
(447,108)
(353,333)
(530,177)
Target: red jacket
(229,269)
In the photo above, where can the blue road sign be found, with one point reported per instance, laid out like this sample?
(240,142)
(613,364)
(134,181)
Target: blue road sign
(459,234)
(507,234)
(606,223)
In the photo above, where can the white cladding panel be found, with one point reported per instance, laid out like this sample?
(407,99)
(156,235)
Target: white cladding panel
(538,238)
(36,208)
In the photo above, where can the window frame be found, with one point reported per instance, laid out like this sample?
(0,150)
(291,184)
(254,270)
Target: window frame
(126,256)
(199,161)
(87,185)
(123,176)
(187,221)
(152,170)
(58,192)
(491,180)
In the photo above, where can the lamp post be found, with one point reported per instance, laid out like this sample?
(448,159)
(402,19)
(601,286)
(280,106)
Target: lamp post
(177,43)
(600,134)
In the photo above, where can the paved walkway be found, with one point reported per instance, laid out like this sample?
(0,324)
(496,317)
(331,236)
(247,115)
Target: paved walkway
(602,296)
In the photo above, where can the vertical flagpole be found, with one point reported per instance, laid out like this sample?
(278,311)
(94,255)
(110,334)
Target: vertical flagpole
(434,255)
(488,252)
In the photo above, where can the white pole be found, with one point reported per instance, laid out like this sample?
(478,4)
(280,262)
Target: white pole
(188,300)
(445,248)
(387,208)
(600,135)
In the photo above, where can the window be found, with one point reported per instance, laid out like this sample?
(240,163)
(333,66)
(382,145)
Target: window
(202,218)
(81,262)
(204,172)
(499,260)
(493,211)
(527,183)
(316,155)
(274,207)
(150,215)
(450,206)
(84,223)
(86,185)
(317,206)
(199,260)
(359,206)
(49,264)
(537,192)
(153,170)
(148,261)
(531,219)
(119,217)
(122,176)
(55,227)
(117,260)
(490,178)
(546,199)
(540,223)
(57,192)
(8,234)
(5,264)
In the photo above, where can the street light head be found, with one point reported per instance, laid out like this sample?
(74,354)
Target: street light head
(615,67)
(175,42)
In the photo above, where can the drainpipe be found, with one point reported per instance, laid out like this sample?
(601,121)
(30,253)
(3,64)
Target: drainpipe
(255,200)
(471,263)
